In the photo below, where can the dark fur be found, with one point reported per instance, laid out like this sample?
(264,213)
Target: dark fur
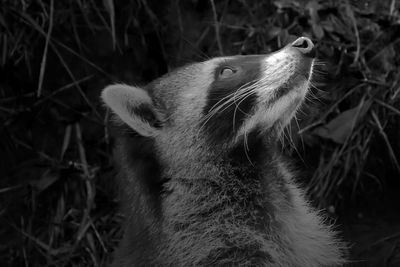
(226,124)
(140,182)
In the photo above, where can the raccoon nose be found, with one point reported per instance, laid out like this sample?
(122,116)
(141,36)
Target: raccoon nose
(305,46)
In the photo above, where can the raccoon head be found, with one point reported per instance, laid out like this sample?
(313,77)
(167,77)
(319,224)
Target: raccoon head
(218,102)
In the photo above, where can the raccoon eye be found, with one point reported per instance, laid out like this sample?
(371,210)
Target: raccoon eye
(226,72)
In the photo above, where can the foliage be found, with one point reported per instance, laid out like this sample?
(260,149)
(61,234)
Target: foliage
(57,190)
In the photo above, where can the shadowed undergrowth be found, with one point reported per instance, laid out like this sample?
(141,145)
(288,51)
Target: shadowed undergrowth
(58,199)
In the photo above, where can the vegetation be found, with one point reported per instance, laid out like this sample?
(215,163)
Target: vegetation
(58,199)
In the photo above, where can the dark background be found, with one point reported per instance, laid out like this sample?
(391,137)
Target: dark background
(58,198)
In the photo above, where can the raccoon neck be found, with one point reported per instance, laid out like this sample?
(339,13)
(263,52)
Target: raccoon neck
(204,159)
(234,181)
(227,209)
(223,166)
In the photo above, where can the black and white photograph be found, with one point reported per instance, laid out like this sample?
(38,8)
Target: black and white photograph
(200,133)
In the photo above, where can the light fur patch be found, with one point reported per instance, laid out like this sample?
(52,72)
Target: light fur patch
(277,70)
(121,99)
(311,241)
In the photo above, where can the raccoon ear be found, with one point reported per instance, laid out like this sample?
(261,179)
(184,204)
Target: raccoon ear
(133,106)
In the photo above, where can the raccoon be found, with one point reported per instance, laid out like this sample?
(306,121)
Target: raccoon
(203,179)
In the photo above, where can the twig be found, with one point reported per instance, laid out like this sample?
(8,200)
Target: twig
(216,25)
(90,118)
(10,188)
(66,141)
(180,24)
(111,10)
(46,46)
(40,153)
(106,133)
(155,22)
(97,234)
(70,73)
(82,152)
(62,88)
(392,7)
(31,22)
(391,108)
(13,98)
(384,239)
(383,134)
(350,13)
(90,189)
(40,244)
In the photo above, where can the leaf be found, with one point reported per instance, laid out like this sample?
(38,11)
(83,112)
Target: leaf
(67,139)
(327,25)
(47,179)
(273,31)
(318,31)
(341,127)
(313,7)
(282,4)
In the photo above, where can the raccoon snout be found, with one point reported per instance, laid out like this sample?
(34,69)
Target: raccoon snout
(305,46)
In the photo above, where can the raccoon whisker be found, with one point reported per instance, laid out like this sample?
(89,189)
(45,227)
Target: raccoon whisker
(243,94)
(312,94)
(244,86)
(298,129)
(217,108)
(309,98)
(313,85)
(293,145)
(246,93)
(222,107)
(290,133)
(301,111)
(282,135)
(246,148)
(245,141)
(281,141)
(238,95)
(320,71)
(319,89)
(287,135)
(227,99)
(237,106)
(319,65)
(319,62)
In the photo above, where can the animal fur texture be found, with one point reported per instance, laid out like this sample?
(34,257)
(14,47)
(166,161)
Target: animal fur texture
(203,180)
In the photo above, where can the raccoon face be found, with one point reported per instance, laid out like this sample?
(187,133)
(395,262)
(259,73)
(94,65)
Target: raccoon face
(218,100)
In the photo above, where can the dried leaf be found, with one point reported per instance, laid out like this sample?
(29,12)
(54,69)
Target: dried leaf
(48,178)
(313,7)
(341,127)
(67,139)
(318,31)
